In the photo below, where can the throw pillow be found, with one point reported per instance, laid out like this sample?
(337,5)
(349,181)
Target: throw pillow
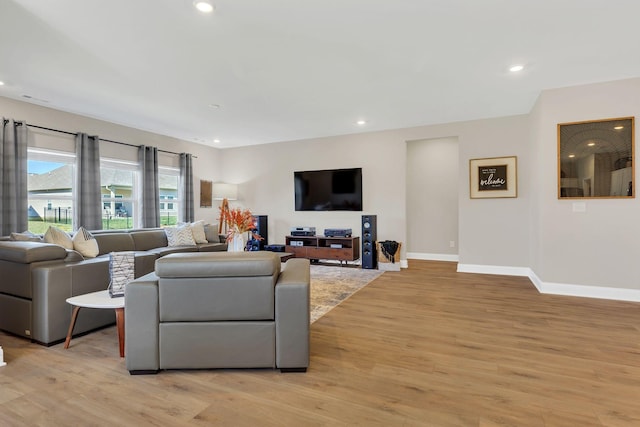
(85,243)
(211,233)
(58,237)
(197,228)
(179,236)
(27,236)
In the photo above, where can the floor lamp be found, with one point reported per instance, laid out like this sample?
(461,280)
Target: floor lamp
(225,192)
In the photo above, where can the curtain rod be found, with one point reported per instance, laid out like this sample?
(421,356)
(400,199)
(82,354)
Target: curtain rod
(101,139)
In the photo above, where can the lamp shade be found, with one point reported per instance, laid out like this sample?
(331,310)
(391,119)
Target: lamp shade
(222,190)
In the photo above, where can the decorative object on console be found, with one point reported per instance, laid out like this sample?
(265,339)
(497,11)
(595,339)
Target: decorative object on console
(239,222)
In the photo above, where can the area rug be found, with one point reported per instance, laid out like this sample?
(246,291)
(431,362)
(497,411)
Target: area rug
(330,285)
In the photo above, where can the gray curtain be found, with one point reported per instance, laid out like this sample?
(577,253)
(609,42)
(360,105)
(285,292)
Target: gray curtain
(13,177)
(186,187)
(87,200)
(150,200)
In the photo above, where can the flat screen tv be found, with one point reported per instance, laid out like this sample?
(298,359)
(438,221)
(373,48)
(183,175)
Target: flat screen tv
(328,190)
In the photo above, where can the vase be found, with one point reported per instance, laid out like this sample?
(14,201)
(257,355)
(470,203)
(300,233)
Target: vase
(237,243)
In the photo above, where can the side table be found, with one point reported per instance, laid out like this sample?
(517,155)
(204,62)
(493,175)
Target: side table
(100,299)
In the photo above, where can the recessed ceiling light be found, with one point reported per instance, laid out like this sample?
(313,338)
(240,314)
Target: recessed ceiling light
(619,127)
(516,68)
(1,83)
(361,122)
(591,144)
(216,141)
(571,156)
(204,6)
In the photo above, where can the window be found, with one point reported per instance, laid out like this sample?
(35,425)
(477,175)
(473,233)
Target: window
(118,184)
(168,179)
(50,189)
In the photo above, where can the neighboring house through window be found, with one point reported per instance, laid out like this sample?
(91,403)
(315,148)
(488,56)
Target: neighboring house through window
(118,185)
(50,192)
(168,179)
(50,189)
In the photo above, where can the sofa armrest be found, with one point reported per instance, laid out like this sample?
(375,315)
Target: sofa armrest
(292,315)
(141,315)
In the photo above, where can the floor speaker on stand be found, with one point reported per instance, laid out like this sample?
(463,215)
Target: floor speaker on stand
(260,228)
(369,236)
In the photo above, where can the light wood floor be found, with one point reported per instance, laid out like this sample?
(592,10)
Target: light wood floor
(423,347)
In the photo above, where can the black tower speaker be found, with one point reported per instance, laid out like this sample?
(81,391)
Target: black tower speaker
(369,236)
(259,227)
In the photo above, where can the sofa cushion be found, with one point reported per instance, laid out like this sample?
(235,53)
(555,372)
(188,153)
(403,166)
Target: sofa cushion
(218,264)
(85,243)
(211,233)
(179,236)
(28,252)
(114,242)
(160,252)
(73,256)
(149,239)
(58,237)
(212,247)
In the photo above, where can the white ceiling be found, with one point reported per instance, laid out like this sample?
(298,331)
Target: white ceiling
(285,70)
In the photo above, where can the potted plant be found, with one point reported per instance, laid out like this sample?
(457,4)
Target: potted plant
(239,222)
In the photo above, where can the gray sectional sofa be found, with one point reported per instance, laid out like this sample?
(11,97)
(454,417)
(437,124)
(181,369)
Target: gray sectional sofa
(36,279)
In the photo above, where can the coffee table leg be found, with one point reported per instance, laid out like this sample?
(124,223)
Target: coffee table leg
(120,326)
(74,316)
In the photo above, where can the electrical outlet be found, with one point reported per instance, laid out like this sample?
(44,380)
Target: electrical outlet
(452,244)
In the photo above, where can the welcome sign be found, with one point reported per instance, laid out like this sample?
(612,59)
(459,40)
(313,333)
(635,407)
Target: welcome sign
(493,177)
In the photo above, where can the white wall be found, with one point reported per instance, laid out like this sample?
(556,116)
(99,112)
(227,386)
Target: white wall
(599,247)
(265,175)
(491,231)
(206,166)
(433,176)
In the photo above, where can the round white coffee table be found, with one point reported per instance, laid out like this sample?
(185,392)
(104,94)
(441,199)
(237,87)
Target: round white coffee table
(100,299)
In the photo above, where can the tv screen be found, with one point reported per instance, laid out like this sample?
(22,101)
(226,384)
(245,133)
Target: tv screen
(328,190)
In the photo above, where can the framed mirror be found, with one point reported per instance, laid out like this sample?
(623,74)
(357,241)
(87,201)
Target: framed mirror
(596,159)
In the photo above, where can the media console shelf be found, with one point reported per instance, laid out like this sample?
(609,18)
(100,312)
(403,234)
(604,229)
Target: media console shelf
(318,247)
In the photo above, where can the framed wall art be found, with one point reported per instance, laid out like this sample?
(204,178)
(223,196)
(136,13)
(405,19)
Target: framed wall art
(205,194)
(493,177)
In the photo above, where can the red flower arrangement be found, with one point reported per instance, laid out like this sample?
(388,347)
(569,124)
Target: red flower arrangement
(239,221)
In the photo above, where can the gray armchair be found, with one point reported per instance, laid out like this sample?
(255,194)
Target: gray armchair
(219,310)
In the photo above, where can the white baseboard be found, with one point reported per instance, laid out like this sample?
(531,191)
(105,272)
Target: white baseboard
(432,257)
(586,291)
(494,269)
